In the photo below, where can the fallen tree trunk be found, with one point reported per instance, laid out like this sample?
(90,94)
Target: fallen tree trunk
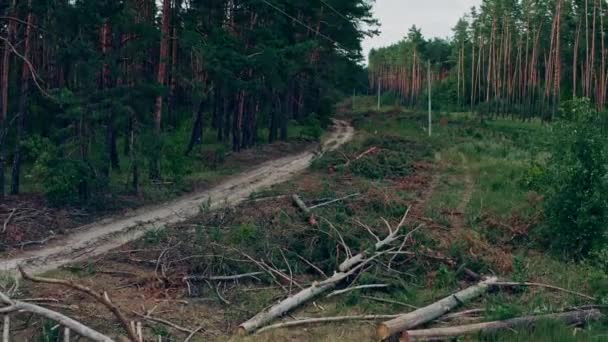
(441,334)
(305,210)
(433,311)
(79,328)
(309,321)
(346,269)
(224,278)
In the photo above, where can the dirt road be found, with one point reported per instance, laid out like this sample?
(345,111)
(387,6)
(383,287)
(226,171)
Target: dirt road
(100,237)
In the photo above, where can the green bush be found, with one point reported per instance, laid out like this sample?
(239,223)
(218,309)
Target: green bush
(62,178)
(576,183)
(312,127)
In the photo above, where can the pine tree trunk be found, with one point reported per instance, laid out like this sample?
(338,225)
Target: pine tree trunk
(4,82)
(23,103)
(161,78)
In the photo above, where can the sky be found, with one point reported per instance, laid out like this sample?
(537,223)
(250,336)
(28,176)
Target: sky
(434,17)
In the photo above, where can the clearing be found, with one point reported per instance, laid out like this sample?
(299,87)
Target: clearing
(471,213)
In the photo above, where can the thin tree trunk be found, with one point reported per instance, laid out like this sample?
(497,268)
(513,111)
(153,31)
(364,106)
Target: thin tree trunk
(162,74)
(196,138)
(4,82)
(23,102)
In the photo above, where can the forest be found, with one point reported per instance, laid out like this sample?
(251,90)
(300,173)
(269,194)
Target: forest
(243,170)
(519,58)
(94,91)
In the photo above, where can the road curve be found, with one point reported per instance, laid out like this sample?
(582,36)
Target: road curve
(99,237)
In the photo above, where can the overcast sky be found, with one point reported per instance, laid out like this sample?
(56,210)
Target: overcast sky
(434,17)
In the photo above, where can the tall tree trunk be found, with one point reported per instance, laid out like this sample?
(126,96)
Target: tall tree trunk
(111,148)
(6,60)
(162,74)
(23,102)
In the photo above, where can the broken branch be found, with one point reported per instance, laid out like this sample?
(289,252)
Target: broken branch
(355,288)
(512,284)
(103,299)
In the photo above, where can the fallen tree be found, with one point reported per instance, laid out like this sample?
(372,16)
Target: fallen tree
(320,320)
(347,268)
(441,334)
(433,311)
(19,306)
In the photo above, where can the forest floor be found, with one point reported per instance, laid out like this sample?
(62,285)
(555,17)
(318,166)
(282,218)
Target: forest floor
(96,238)
(469,209)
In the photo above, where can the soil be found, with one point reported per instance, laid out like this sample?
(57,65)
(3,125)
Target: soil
(97,238)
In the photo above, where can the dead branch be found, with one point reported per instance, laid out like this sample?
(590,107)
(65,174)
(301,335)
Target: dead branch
(81,329)
(224,278)
(24,244)
(103,299)
(163,321)
(355,288)
(441,334)
(309,264)
(457,315)
(324,204)
(514,284)
(309,321)
(35,76)
(345,270)
(433,311)
(193,333)
(8,219)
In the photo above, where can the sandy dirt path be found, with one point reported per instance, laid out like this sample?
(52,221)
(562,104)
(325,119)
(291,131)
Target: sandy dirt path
(99,237)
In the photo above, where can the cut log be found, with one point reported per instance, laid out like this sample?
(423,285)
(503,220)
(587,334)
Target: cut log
(318,288)
(433,311)
(305,210)
(442,334)
(300,203)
